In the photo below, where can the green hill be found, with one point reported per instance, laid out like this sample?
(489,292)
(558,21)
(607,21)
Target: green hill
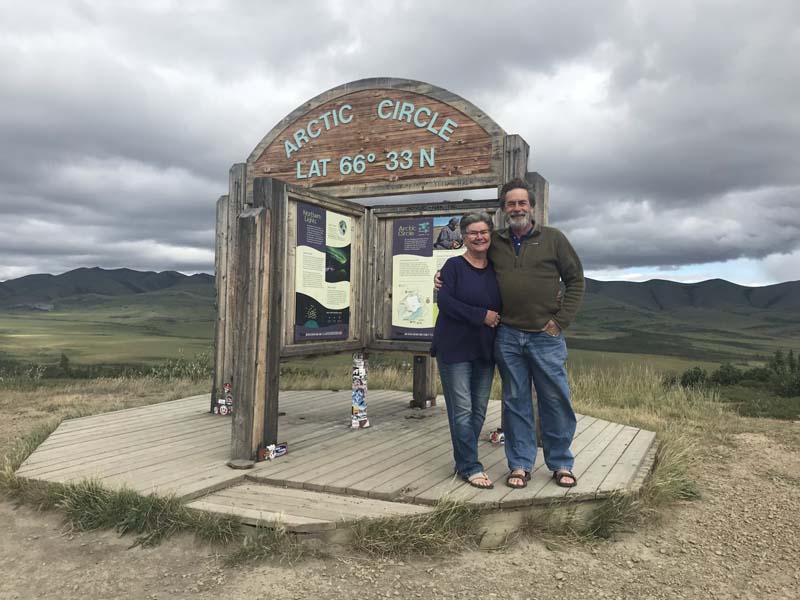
(41,290)
(713,321)
(96,315)
(715,294)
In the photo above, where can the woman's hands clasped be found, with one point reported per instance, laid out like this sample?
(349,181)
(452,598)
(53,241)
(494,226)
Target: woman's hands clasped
(492,319)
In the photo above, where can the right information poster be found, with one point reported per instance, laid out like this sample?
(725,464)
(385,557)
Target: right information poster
(419,248)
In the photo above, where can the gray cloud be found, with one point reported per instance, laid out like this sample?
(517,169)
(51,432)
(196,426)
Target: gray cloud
(670,137)
(614,234)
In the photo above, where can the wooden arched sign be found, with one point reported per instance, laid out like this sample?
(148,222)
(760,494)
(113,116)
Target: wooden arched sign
(381,137)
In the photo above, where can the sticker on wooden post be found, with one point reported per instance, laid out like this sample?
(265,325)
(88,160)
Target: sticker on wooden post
(358,418)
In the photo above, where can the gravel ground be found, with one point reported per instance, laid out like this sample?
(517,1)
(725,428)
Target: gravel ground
(738,541)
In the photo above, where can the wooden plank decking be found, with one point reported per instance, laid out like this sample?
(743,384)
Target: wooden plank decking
(298,510)
(397,466)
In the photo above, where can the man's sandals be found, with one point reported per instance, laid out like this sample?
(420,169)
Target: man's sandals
(480,480)
(523,477)
(563,474)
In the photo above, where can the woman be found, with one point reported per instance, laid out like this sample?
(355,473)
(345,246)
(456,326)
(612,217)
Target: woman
(463,342)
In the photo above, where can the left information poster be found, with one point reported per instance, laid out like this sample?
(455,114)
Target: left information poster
(322,274)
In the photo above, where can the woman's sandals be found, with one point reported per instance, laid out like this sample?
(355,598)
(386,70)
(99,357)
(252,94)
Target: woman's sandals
(562,474)
(519,475)
(480,480)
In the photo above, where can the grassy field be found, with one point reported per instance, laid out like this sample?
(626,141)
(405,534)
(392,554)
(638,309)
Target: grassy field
(129,330)
(150,328)
(129,335)
(701,335)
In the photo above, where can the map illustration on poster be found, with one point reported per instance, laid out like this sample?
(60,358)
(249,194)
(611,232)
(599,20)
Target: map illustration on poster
(322,274)
(419,248)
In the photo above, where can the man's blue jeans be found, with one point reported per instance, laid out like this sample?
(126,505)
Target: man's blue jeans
(466,387)
(522,357)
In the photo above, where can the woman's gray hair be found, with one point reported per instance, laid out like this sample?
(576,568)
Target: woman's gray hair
(476,217)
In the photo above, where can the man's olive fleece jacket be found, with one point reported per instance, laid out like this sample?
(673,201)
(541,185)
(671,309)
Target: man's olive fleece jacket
(529,283)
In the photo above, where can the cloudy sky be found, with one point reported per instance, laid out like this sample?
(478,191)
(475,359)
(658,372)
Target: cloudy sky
(669,131)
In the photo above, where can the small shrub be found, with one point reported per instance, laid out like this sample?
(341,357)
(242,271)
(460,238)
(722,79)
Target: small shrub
(726,374)
(63,364)
(787,385)
(761,374)
(694,377)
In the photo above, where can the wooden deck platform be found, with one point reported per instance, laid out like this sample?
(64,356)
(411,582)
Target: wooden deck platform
(401,465)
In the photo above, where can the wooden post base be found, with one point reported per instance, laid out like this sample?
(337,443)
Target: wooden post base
(424,382)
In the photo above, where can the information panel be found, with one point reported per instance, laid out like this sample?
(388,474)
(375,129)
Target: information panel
(322,274)
(419,248)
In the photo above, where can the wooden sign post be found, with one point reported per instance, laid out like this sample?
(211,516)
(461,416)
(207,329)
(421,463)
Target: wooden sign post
(303,270)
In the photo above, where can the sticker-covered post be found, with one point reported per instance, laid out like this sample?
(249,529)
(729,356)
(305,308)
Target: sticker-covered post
(358,417)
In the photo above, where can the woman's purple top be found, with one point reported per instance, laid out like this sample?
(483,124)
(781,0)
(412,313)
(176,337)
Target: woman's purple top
(466,294)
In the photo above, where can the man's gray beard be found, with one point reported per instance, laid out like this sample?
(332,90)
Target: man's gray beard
(516,225)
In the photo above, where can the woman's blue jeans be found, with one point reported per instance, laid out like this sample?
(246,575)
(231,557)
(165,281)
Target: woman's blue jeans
(466,388)
(535,356)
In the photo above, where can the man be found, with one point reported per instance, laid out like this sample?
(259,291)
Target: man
(449,236)
(530,261)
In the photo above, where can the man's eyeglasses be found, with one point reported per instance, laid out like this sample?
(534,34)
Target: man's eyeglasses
(474,234)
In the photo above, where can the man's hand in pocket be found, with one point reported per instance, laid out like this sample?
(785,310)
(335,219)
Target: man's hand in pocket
(552,328)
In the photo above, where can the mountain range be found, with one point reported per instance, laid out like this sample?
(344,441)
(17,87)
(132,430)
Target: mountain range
(43,290)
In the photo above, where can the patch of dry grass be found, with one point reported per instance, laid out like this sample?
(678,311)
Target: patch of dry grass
(380,378)
(450,527)
(87,505)
(637,396)
(270,541)
(39,495)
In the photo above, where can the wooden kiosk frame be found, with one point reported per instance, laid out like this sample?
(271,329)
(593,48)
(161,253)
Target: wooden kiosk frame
(372,137)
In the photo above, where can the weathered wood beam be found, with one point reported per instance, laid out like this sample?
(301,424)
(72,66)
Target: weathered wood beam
(225,277)
(515,157)
(245,430)
(541,191)
(515,165)
(270,195)
(424,394)
(220,302)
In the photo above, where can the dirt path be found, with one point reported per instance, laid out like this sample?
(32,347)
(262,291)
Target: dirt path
(739,541)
